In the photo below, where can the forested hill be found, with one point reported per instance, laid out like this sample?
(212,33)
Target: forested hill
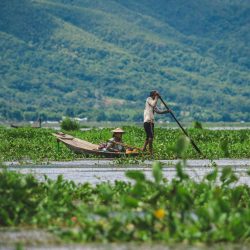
(100,58)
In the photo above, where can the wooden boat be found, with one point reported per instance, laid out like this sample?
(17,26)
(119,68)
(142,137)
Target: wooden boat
(37,124)
(27,126)
(85,147)
(15,126)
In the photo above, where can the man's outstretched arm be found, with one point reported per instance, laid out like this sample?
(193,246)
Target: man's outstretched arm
(159,111)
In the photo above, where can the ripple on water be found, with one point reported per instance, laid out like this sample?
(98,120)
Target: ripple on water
(94,172)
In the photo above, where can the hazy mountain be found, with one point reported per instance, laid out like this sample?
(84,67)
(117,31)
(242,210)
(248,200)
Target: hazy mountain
(100,58)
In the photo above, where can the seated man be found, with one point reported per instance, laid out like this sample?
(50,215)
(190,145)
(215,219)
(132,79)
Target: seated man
(115,143)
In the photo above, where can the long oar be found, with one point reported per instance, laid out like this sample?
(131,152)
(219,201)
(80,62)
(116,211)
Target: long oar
(183,130)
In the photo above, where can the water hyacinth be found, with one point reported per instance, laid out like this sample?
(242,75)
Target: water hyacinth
(39,145)
(212,210)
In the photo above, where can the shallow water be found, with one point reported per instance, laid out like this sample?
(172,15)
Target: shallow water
(175,127)
(133,246)
(96,171)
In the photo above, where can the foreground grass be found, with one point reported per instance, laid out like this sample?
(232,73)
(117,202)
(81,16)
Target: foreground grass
(39,145)
(210,211)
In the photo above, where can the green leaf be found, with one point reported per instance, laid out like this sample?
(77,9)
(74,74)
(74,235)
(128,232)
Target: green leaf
(157,172)
(180,173)
(227,176)
(139,189)
(182,145)
(226,172)
(129,201)
(248,171)
(212,176)
(225,147)
(135,175)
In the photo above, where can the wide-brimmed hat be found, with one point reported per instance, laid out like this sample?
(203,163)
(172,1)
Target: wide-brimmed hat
(118,130)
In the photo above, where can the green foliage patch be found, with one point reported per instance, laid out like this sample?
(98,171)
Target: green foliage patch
(69,124)
(40,145)
(143,210)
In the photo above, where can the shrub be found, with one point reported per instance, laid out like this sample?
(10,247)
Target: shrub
(197,124)
(68,124)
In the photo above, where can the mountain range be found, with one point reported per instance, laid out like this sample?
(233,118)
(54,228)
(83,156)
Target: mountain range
(100,58)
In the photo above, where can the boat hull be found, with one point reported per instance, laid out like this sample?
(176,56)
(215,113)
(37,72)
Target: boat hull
(83,147)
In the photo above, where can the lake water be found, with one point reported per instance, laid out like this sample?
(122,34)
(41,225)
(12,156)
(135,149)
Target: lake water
(96,171)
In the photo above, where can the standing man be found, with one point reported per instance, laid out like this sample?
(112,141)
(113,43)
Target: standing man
(150,109)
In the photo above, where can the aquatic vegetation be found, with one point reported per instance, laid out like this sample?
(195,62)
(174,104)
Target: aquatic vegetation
(213,210)
(25,144)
